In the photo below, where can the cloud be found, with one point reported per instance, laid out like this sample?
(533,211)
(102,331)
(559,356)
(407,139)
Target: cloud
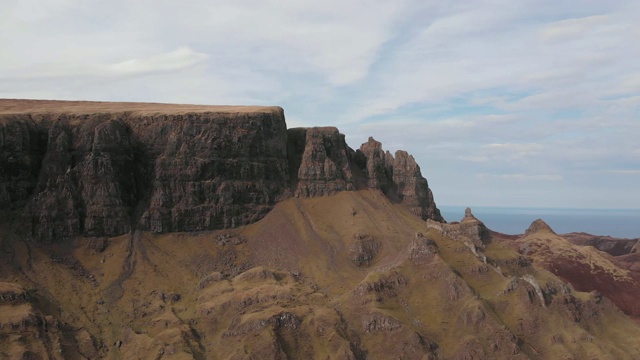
(336,40)
(571,29)
(178,59)
(175,60)
(514,148)
(524,89)
(523,177)
(477,159)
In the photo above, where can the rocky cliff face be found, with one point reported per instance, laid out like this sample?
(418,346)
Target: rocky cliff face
(21,148)
(323,168)
(73,173)
(106,169)
(86,184)
(378,165)
(412,187)
(214,171)
(398,177)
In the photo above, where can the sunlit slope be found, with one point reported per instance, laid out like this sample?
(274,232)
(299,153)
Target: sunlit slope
(350,276)
(585,267)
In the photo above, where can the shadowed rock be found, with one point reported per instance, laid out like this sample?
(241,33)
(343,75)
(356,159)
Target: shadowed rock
(378,165)
(399,178)
(323,168)
(363,249)
(106,169)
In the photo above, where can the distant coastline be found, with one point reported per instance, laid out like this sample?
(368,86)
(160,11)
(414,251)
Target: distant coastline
(622,223)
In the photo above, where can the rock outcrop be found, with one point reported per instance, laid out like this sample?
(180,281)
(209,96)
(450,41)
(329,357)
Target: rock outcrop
(86,185)
(323,168)
(412,188)
(398,177)
(21,148)
(215,170)
(104,172)
(469,230)
(378,165)
(363,249)
(27,332)
(106,169)
(539,225)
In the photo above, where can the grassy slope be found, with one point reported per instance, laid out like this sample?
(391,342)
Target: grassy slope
(585,267)
(286,286)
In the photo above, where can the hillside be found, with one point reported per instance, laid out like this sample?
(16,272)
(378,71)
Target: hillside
(585,267)
(136,231)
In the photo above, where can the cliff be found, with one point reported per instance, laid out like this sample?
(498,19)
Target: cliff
(106,169)
(398,177)
(352,275)
(323,167)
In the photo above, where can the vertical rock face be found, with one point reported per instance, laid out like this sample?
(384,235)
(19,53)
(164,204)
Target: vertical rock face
(324,167)
(107,183)
(399,178)
(215,172)
(21,149)
(105,169)
(106,172)
(378,165)
(86,183)
(412,188)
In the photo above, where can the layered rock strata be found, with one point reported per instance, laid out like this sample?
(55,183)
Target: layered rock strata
(323,167)
(398,177)
(106,169)
(77,171)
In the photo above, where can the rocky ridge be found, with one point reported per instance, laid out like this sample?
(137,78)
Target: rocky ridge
(325,273)
(107,169)
(363,278)
(612,246)
(586,268)
(398,177)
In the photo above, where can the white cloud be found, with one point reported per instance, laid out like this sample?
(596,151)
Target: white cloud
(515,148)
(519,88)
(174,60)
(523,177)
(476,159)
(571,29)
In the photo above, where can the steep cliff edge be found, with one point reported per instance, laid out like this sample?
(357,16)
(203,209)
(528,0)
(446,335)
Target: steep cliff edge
(21,148)
(105,169)
(320,163)
(354,275)
(398,177)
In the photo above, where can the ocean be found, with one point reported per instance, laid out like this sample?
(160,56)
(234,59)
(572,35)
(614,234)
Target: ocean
(622,223)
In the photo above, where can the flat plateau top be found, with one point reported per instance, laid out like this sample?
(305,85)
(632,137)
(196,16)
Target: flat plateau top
(21,106)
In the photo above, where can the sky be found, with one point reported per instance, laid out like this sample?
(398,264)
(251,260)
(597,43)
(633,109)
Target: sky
(529,103)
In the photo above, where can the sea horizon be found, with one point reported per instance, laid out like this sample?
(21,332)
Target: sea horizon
(620,223)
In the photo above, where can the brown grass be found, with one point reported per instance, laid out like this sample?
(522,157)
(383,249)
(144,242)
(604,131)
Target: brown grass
(295,264)
(23,106)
